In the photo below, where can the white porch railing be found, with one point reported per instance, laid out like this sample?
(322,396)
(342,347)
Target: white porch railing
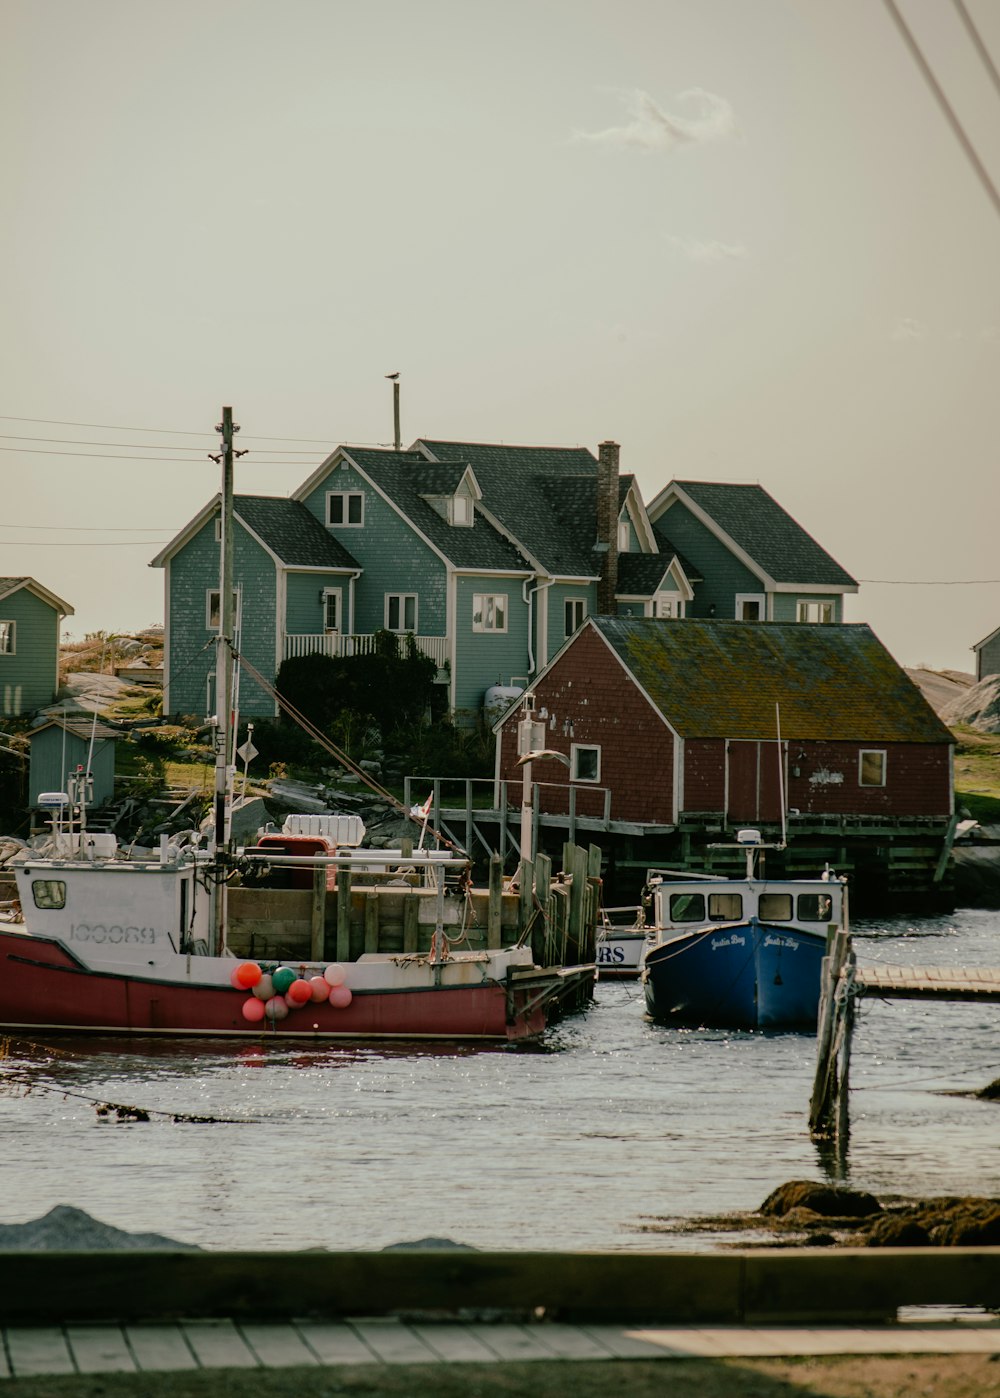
(337,643)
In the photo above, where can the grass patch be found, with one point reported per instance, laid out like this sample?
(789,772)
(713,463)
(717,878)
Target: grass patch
(977,774)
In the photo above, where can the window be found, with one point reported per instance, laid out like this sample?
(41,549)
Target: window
(871,767)
(575,613)
(750,606)
(212,608)
(814,611)
(49,893)
(489,611)
(8,637)
(585,762)
(218,529)
(623,536)
(345,507)
(332,608)
(725,907)
(667,604)
(775,907)
(401,611)
(687,907)
(461,509)
(815,907)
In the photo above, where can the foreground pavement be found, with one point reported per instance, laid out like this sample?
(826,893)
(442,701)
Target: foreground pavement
(32,1351)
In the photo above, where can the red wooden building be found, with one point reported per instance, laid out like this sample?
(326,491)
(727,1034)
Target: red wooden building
(663,719)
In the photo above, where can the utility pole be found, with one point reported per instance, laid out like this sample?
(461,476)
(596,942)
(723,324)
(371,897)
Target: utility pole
(224,668)
(396,435)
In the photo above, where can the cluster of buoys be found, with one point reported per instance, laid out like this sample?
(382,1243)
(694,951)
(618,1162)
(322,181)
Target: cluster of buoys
(275,994)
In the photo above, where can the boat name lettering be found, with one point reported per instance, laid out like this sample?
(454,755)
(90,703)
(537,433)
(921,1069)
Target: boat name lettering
(97,932)
(610,956)
(773,941)
(734,940)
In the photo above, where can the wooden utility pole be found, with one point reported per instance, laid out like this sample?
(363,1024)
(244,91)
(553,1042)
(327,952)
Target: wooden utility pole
(224,669)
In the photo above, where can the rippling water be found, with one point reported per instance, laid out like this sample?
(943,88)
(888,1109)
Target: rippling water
(613,1125)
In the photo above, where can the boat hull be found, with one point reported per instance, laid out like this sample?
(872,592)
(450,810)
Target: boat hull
(748,975)
(619,954)
(44,987)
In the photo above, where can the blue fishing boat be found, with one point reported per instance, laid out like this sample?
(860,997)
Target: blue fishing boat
(739,953)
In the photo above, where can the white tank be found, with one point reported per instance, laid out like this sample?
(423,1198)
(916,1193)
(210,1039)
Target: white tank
(498,699)
(340,829)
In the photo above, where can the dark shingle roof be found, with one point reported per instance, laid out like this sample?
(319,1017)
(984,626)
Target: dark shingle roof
(10,584)
(407,476)
(640,574)
(544,496)
(766,532)
(291,532)
(722,679)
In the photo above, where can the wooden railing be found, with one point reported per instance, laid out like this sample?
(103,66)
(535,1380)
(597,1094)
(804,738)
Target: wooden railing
(338,643)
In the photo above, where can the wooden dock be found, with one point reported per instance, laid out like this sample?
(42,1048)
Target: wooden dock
(844,983)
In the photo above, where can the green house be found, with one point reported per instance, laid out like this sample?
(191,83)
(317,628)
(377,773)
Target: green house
(488,556)
(65,745)
(30,618)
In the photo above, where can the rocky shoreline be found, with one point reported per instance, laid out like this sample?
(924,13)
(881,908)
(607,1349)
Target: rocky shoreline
(802,1213)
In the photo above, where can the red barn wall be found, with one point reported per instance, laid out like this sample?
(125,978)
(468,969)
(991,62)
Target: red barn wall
(589,688)
(917,779)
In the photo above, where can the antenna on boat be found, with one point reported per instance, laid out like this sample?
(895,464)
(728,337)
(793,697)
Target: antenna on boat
(781,773)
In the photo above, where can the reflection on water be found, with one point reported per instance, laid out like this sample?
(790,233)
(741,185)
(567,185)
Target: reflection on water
(614,1121)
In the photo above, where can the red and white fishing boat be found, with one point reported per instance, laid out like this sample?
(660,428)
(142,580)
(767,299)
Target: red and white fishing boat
(117,943)
(112,941)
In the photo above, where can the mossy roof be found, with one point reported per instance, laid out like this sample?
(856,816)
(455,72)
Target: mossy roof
(722,679)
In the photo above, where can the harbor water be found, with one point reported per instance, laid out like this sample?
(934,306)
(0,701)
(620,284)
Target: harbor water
(614,1134)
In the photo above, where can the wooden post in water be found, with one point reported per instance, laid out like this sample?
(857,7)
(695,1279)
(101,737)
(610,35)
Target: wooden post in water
(576,863)
(343,914)
(493,933)
(541,939)
(411,919)
(317,914)
(371,920)
(824,1088)
(526,895)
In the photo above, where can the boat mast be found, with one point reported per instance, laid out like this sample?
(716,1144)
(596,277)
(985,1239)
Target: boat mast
(224,667)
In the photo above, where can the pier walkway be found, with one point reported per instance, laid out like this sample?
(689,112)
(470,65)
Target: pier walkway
(191,1345)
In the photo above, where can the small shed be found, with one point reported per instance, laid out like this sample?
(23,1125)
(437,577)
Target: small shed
(988,655)
(61,746)
(734,719)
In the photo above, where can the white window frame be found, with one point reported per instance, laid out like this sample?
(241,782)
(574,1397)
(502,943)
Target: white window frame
(804,609)
(401,598)
(743,597)
(668,604)
(218,529)
(623,536)
(337,592)
(484,607)
(577,607)
(575,752)
(882,755)
(213,600)
(8,637)
(345,497)
(461,505)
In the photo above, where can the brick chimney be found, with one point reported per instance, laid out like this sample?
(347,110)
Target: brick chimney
(607,526)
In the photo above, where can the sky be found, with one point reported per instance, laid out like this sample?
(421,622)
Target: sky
(739,237)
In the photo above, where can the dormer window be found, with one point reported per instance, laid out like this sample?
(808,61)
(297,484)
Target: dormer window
(461,510)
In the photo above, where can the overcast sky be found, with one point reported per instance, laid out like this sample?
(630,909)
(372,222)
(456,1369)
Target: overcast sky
(737,236)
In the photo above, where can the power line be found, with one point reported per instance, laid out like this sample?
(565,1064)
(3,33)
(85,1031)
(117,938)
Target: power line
(108,456)
(980,47)
(138,446)
(173,431)
(91,528)
(945,105)
(931,582)
(80,544)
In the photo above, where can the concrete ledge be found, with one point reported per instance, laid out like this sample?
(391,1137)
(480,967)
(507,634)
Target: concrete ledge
(819,1285)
